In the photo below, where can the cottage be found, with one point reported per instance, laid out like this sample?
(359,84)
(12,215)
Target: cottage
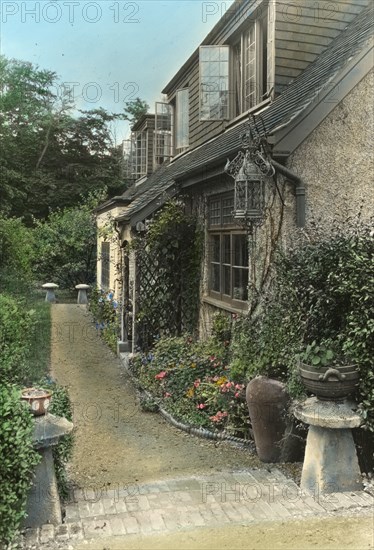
(267,126)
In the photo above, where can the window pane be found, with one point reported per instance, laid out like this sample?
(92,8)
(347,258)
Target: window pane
(216,283)
(226,249)
(227,280)
(105,264)
(182,119)
(240,247)
(240,291)
(214,82)
(215,213)
(216,256)
(227,210)
(250,84)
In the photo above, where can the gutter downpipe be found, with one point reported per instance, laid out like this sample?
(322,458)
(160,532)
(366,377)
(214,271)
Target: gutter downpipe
(299,191)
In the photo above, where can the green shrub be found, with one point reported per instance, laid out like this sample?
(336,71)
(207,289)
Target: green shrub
(17,460)
(323,291)
(16,325)
(17,255)
(65,245)
(61,406)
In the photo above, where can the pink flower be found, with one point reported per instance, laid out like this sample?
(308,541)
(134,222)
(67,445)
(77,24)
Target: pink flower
(161,375)
(167,394)
(201,406)
(197,383)
(237,394)
(219,416)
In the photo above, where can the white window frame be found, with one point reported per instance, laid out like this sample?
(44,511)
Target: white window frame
(220,76)
(162,143)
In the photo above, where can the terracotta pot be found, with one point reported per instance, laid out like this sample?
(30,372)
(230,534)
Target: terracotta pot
(274,431)
(329,384)
(38,400)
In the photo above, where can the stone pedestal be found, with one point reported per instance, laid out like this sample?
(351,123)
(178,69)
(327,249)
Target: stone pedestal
(82,293)
(43,503)
(330,463)
(50,288)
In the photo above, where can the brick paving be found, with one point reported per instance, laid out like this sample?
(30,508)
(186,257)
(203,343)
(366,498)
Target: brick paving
(237,497)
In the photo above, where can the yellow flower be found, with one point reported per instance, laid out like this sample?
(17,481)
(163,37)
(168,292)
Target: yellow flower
(193,365)
(221,381)
(190,392)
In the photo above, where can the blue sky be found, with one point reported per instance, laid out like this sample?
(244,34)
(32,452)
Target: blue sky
(108,51)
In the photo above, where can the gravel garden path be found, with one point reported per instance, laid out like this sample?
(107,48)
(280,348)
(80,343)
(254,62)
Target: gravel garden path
(116,442)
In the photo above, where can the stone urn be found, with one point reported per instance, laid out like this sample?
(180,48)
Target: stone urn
(329,383)
(38,400)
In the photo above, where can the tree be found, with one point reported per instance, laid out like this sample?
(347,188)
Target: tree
(48,156)
(134,110)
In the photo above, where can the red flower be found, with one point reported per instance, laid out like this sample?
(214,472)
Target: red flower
(161,375)
(197,383)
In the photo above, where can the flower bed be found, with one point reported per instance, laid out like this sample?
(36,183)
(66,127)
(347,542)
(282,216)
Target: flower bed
(191,380)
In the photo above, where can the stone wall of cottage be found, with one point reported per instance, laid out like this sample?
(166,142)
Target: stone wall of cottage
(102,221)
(336,161)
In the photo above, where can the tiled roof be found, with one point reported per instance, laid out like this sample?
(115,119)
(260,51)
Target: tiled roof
(300,93)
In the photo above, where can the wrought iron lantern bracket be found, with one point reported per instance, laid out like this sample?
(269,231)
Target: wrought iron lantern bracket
(250,169)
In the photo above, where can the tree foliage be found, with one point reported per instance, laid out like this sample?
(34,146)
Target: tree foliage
(134,110)
(49,156)
(65,244)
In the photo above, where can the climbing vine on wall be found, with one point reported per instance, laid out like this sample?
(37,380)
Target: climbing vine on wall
(168,274)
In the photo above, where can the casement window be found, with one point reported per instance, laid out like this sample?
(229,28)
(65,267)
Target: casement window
(163,133)
(105,265)
(228,254)
(236,78)
(139,146)
(182,120)
(253,63)
(214,82)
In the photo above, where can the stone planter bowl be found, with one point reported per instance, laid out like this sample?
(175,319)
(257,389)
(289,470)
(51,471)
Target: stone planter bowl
(329,383)
(37,399)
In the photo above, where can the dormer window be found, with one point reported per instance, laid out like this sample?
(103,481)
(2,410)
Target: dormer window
(237,78)
(253,67)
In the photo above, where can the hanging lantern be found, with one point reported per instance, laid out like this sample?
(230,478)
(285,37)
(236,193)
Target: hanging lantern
(249,197)
(250,169)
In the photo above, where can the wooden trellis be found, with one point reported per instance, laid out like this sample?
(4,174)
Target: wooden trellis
(166,295)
